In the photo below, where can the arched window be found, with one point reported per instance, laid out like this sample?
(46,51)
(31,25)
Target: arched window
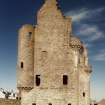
(69,104)
(65,79)
(37,80)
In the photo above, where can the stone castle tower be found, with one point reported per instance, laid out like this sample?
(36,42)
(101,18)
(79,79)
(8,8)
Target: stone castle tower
(52,66)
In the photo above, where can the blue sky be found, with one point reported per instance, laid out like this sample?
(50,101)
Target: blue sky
(88,23)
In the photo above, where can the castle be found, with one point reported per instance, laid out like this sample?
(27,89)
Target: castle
(52,66)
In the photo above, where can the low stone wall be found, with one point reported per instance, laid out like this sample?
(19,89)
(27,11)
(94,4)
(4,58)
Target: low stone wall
(9,102)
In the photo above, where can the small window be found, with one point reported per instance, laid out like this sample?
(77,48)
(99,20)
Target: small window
(29,35)
(19,98)
(69,104)
(81,50)
(83,94)
(21,64)
(37,80)
(65,79)
(33,103)
(50,104)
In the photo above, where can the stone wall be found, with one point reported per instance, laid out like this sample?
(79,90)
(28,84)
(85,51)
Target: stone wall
(9,102)
(52,52)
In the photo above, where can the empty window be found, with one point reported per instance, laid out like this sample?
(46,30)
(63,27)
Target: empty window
(21,64)
(69,104)
(50,104)
(37,80)
(83,94)
(81,51)
(33,103)
(29,35)
(19,98)
(65,79)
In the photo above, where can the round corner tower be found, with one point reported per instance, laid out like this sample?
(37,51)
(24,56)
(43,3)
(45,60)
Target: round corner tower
(25,64)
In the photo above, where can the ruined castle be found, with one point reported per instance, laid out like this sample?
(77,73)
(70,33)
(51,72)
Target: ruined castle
(52,66)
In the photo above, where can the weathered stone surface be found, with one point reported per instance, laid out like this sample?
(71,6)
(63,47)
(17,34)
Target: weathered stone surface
(51,52)
(9,102)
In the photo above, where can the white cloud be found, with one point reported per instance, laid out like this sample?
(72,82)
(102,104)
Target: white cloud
(100,56)
(78,15)
(92,32)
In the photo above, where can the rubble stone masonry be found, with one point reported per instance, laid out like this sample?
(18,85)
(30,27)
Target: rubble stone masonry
(52,66)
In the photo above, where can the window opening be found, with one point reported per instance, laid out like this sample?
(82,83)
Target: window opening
(37,80)
(22,65)
(65,79)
